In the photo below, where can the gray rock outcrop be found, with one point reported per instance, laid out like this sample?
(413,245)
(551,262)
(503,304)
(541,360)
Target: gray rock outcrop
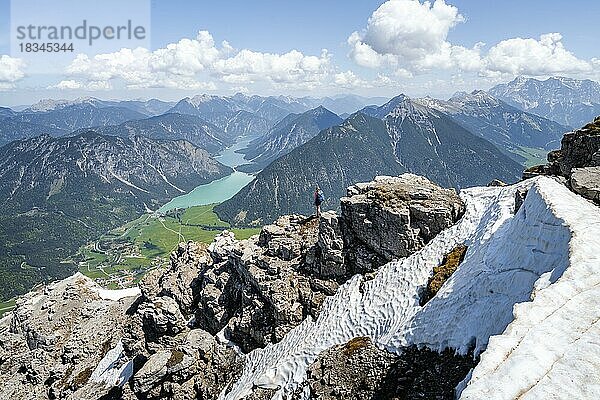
(53,341)
(586,182)
(578,161)
(382,220)
(358,370)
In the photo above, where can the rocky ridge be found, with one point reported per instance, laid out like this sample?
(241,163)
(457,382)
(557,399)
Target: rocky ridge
(193,328)
(185,335)
(577,161)
(53,342)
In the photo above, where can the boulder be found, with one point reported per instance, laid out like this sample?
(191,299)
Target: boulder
(392,217)
(153,371)
(586,182)
(161,316)
(199,367)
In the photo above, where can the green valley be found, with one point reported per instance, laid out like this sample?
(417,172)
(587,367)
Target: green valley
(123,255)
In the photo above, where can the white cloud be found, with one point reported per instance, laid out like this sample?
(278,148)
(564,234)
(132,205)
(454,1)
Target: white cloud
(409,34)
(67,85)
(174,66)
(412,37)
(72,84)
(11,70)
(178,65)
(528,56)
(290,68)
(349,80)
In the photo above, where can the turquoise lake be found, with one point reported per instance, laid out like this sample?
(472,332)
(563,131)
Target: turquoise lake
(221,189)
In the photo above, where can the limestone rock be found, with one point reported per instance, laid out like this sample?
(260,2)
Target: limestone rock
(352,371)
(161,317)
(520,195)
(586,182)
(579,148)
(153,370)
(358,370)
(496,182)
(393,217)
(54,339)
(577,161)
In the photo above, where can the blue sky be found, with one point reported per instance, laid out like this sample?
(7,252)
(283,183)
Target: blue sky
(412,47)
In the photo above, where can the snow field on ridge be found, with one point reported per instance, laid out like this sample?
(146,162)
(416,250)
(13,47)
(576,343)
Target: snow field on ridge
(386,308)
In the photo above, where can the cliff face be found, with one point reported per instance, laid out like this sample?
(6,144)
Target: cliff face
(409,292)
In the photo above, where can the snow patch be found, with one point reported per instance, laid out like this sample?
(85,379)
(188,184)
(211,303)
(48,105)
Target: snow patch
(115,295)
(114,369)
(509,256)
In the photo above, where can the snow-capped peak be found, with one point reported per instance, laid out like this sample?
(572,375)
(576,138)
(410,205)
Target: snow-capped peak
(478,98)
(200,99)
(49,104)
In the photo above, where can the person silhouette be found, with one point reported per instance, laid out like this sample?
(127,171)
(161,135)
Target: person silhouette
(319,198)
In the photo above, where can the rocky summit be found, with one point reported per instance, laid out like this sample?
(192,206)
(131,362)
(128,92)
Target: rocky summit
(185,334)
(411,291)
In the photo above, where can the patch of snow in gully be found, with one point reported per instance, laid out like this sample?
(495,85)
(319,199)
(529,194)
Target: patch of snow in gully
(114,369)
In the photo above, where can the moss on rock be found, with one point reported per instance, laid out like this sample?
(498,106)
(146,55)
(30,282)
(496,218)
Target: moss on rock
(441,273)
(355,344)
(176,358)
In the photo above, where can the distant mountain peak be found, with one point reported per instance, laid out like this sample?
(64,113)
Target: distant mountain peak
(50,104)
(568,101)
(476,97)
(400,106)
(200,98)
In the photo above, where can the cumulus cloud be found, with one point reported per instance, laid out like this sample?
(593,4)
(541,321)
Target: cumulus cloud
(349,80)
(72,84)
(178,64)
(528,56)
(412,37)
(11,70)
(290,68)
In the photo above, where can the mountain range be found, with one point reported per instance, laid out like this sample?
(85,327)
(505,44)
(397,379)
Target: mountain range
(508,127)
(570,102)
(58,193)
(396,137)
(172,126)
(76,115)
(146,107)
(289,133)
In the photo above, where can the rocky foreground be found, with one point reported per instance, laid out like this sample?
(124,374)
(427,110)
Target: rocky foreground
(410,292)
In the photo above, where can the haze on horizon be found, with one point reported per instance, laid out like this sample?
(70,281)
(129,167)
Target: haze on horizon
(370,49)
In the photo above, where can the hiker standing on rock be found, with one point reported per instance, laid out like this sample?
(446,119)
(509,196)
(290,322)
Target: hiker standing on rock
(319,198)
